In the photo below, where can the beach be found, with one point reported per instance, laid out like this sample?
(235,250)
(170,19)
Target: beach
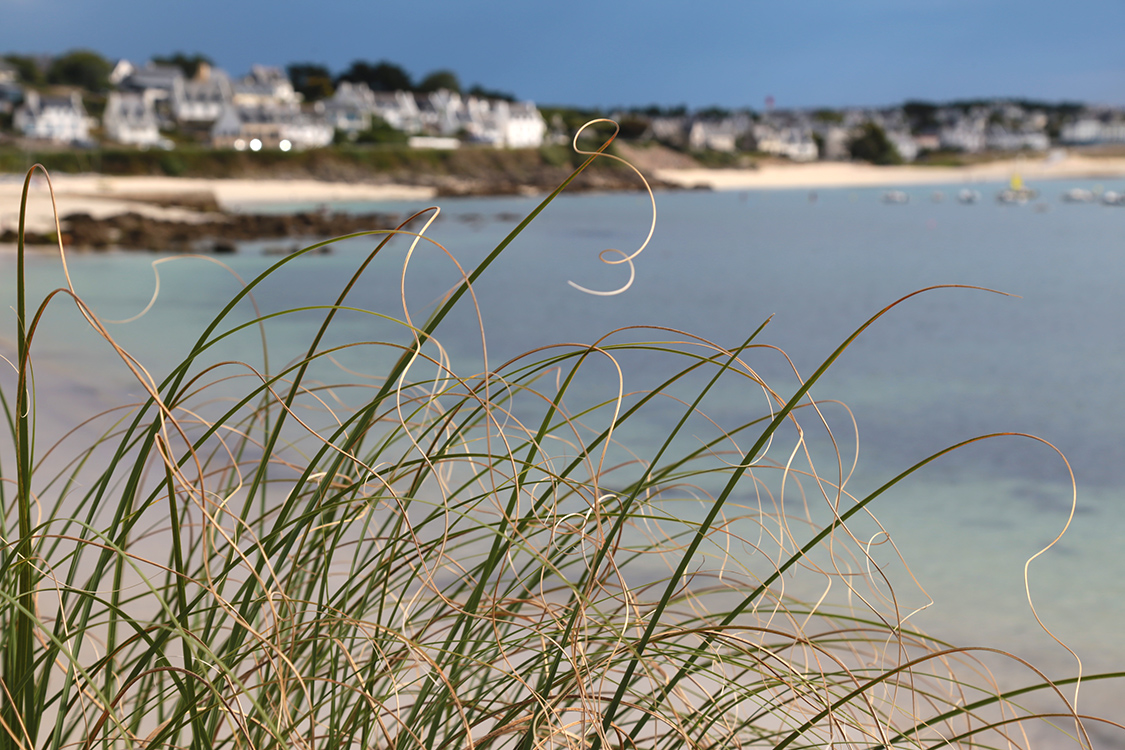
(1056,166)
(179,199)
(157,197)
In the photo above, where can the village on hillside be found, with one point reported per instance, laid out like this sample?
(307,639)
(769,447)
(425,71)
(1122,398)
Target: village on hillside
(165,105)
(157,106)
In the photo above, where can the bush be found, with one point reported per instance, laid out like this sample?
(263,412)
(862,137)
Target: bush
(82,68)
(382,133)
(555,156)
(435,559)
(717,159)
(872,145)
(172,164)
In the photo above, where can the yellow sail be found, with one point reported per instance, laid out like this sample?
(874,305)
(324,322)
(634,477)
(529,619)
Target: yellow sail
(1016,182)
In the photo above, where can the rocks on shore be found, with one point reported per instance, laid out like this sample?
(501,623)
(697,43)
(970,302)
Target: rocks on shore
(212,232)
(546,181)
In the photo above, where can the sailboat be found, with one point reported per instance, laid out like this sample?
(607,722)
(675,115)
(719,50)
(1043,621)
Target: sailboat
(1017,192)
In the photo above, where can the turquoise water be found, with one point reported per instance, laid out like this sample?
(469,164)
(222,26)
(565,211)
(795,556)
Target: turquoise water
(942,367)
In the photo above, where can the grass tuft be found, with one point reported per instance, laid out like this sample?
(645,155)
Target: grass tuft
(269,558)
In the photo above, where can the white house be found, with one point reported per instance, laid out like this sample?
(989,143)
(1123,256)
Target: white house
(671,130)
(792,142)
(130,117)
(155,80)
(497,122)
(61,119)
(399,109)
(904,143)
(713,136)
(441,113)
(122,69)
(304,130)
(265,86)
(201,100)
(962,137)
(352,106)
(1002,139)
(502,123)
(523,125)
(1090,130)
(10,90)
(236,127)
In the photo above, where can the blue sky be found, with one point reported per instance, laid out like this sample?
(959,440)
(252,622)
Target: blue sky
(633,52)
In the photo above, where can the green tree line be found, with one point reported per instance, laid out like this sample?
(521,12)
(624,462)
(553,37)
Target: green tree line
(90,71)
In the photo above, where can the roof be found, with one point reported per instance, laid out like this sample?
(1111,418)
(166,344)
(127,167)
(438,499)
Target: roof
(129,106)
(153,76)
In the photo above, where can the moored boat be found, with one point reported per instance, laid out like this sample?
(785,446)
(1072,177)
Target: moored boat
(1078,195)
(1017,192)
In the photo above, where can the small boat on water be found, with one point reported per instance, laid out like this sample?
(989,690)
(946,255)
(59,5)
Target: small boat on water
(1078,195)
(895,196)
(968,197)
(1017,192)
(1113,198)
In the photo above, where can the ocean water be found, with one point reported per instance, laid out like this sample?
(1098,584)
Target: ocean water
(1047,358)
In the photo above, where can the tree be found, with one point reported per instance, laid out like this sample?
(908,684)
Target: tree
(312,81)
(818,139)
(922,116)
(713,112)
(189,64)
(27,68)
(872,145)
(82,68)
(440,79)
(480,92)
(828,116)
(633,128)
(383,76)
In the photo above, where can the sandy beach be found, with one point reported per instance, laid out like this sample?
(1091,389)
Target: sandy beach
(845,174)
(102,196)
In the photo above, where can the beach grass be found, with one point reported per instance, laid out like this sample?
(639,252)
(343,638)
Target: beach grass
(259,556)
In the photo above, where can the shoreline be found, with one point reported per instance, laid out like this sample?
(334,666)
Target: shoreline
(195,200)
(166,198)
(849,174)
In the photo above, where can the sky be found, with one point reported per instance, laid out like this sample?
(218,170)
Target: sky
(815,53)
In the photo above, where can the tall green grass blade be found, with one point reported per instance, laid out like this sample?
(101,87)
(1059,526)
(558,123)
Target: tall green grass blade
(430,559)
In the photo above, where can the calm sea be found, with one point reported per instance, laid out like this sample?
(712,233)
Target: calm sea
(942,367)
